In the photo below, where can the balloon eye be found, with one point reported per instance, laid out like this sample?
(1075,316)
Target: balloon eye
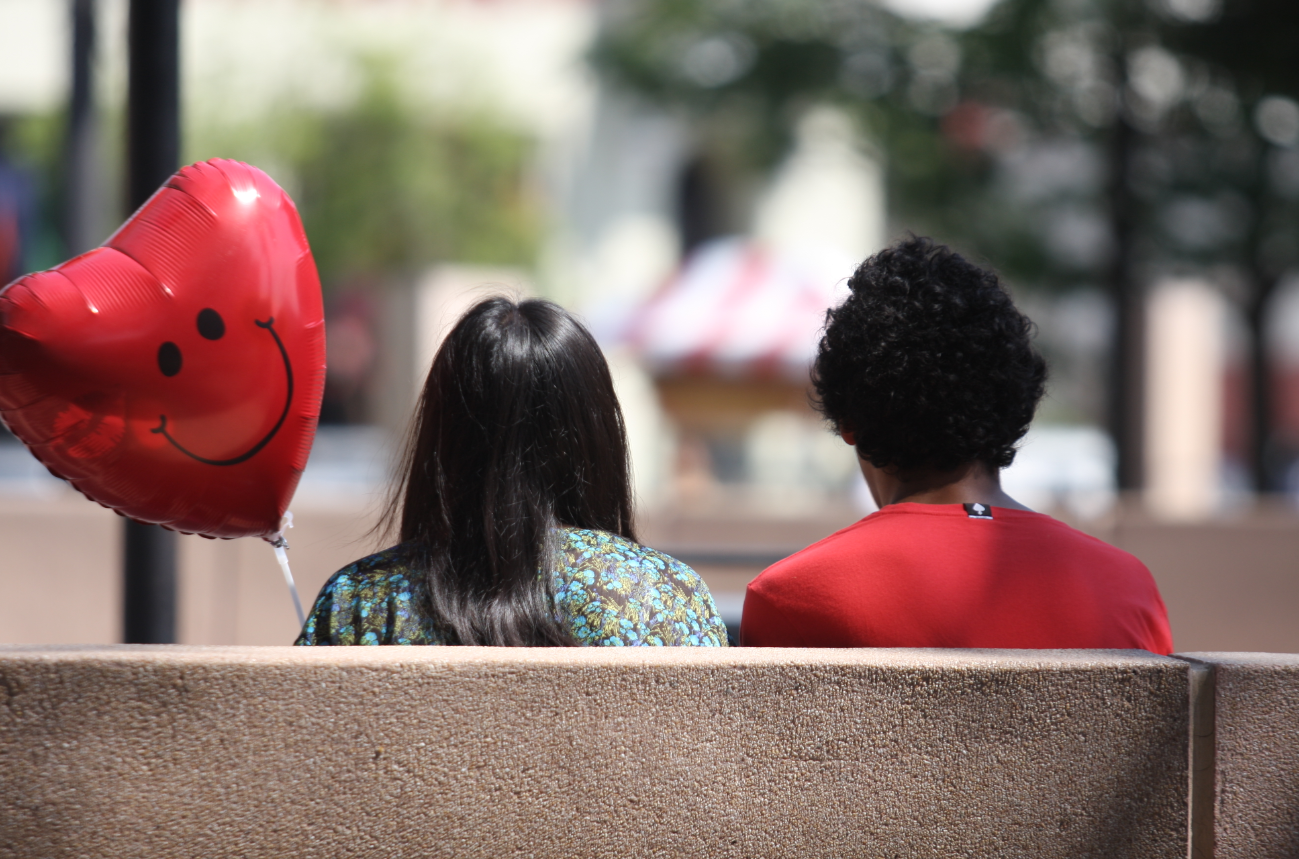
(210,325)
(169,358)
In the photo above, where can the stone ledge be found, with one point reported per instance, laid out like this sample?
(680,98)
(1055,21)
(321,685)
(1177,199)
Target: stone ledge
(216,654)
(1254,779)
(277,752)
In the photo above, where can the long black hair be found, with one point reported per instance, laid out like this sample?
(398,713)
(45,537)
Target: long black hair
(518,431)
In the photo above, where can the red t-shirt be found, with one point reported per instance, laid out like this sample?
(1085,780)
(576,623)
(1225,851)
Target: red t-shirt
(939,575)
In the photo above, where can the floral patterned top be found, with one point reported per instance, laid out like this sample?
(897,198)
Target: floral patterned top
(608,590)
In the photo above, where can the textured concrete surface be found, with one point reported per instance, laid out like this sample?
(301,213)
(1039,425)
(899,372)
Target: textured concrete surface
(276,752)
(1256,754)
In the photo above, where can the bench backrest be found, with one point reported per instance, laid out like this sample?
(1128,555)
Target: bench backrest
(276,752)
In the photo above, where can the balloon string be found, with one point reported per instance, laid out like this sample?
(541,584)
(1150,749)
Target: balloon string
(283,557)
(281,554)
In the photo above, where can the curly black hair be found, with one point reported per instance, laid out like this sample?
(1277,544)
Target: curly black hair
(928,363)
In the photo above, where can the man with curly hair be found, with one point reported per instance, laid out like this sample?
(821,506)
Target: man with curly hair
(928,370)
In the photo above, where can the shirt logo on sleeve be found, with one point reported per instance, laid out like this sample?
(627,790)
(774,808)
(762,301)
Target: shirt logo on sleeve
(977,511)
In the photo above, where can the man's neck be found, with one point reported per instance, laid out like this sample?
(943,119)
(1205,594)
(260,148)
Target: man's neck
(973,483)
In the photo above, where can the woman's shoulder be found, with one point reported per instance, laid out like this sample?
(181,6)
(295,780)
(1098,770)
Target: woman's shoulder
(373,600)
(388,569)
(616,591)
(585,546)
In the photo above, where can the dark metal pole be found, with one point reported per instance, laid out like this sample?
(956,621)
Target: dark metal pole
(1127,357)
(1127,382)
(153,154)
(1264,278)
(1261,466)
(81,198)
(153,110)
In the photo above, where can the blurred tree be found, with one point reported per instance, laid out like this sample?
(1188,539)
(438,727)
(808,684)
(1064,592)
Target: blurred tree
(1061,75)
(383,188)
(1246,48)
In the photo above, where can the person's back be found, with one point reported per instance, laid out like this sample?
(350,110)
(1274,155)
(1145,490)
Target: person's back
(605,589)
(936,575)
(514,508)
(928,370)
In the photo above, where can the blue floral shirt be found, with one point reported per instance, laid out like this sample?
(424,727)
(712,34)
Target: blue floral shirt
(607,589)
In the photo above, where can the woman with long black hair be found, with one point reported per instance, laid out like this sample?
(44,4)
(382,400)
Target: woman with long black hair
(514,508)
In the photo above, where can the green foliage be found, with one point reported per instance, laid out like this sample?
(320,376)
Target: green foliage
(383,189)
(1247,51)
(35,144)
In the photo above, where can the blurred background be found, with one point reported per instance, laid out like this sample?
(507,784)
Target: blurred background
(696,179)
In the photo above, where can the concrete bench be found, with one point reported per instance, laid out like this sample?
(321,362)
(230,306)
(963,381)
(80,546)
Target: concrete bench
(278,752)
(1248,733)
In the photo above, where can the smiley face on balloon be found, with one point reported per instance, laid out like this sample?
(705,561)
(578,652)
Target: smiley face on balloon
(211,326)
(175,373)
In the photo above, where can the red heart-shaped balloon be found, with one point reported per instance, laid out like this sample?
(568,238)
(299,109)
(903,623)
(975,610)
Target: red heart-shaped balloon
(175,373)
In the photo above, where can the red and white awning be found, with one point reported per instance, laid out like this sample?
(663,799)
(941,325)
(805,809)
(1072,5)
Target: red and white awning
(737,308)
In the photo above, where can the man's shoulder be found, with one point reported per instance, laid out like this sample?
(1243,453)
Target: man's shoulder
(1052,530)
(1080,543)
(827,554)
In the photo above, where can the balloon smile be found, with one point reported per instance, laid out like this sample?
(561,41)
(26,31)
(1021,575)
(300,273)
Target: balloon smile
(161,428)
